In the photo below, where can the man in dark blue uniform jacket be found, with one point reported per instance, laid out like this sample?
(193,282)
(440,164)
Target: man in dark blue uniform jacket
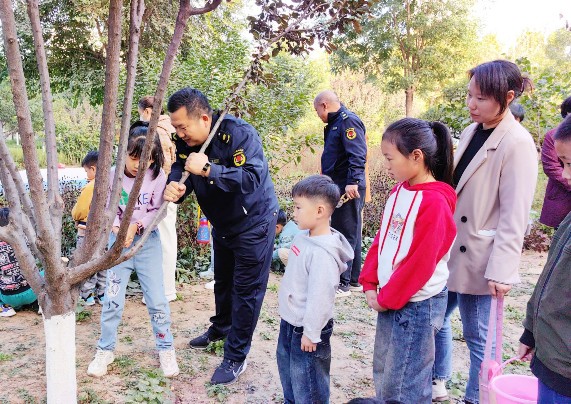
(343,159)
(234,190)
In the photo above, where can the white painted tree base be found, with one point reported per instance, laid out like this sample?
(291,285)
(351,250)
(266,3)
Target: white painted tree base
(60,359)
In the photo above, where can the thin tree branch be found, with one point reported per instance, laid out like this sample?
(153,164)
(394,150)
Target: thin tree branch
(55,201)
(106,140)
(99,239)
(45,232)
(13,232)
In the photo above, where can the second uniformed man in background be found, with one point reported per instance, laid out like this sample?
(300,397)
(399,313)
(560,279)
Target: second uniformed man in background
(234,190)
(343,159)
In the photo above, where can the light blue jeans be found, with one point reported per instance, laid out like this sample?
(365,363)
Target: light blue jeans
(404,350)
(475,314)
(147,263)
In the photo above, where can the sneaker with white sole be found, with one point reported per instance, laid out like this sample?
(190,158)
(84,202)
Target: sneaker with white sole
(355,287)
(98,366)
(228,372)
(439,392)
(6,311)
(342,291)
(168,363)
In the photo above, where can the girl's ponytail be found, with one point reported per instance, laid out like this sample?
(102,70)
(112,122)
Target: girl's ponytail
(443,169)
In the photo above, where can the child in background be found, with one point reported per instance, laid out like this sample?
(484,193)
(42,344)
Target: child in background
(15,291)
(548,321)
(94,286)
(285,233)
(147,262)
(404,275)
(319,255)
(167,226)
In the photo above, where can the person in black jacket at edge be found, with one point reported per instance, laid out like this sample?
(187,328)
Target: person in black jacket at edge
(343,159)
(234,190)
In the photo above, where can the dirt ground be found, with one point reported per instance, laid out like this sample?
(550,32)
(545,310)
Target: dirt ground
(133,376)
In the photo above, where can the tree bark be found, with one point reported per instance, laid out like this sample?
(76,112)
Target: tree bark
(97,224)
(55,201)
(409,96)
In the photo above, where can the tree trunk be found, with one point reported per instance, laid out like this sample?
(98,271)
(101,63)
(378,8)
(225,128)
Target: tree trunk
(409,92)
(60,359)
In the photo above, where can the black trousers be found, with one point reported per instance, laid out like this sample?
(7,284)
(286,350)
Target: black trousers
(348,220)
(241,270)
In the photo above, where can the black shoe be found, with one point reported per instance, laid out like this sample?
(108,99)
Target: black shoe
(228,372)
(343,287)
(204,340)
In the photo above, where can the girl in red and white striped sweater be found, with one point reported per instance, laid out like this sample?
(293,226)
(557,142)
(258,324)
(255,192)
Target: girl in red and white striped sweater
(404,275)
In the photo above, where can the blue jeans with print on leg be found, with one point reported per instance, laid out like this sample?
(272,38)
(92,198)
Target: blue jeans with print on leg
(147,263)
(404,350)
(304,375)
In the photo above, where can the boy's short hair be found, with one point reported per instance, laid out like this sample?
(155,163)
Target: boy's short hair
(318,187)
(518,111)
(566,107)
(563,133)
(282,218)
(90,159)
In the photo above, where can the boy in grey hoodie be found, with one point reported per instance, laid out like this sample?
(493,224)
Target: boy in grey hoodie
(318,256)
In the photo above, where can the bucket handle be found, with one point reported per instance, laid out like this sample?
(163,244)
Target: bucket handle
(503,365)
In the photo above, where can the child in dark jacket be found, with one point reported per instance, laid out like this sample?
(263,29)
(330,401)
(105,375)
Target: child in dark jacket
(547,334)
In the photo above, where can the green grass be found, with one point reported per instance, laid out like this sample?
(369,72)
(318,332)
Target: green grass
(5,357)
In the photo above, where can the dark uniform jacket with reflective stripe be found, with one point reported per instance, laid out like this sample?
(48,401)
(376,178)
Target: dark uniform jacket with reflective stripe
(238,193)
(345,149)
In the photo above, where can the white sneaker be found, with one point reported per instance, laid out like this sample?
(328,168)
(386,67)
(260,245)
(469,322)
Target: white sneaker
(98,366)
(342,293)
(439,392)
(209,285)
(168,363)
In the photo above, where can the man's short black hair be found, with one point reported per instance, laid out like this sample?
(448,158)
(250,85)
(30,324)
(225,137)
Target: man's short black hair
(318,187)
(90,159)
(282,218)
(518,111)
(566,107)
(192,99)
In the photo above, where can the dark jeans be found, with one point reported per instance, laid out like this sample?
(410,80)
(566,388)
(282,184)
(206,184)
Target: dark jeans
(241,271)
(304,375)
(404,350)
(348,220)
(549,396)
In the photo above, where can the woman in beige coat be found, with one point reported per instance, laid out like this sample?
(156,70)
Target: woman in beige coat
(167,226)
(495,176)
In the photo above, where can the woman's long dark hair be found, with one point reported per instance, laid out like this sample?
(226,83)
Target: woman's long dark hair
(431,138)
(137,135)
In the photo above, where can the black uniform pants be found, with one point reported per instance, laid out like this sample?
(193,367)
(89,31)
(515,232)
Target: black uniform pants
(348,220)
(241,271)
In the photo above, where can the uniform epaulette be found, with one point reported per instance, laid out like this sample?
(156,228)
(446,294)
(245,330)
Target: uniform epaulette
(344,115)
(224,137)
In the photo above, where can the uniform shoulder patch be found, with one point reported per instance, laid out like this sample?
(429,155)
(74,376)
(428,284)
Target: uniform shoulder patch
(350,133)
(239,158)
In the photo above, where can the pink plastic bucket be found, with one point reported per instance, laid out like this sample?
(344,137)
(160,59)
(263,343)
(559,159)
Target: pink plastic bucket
(513,389)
